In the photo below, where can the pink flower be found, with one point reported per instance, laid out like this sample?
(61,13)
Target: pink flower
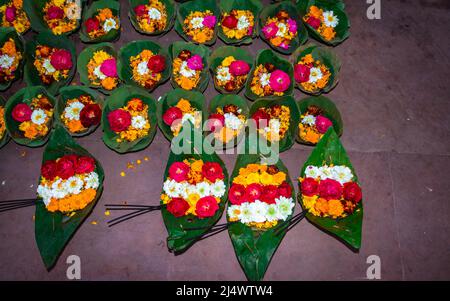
(209,21)
(239,68)
(313,22)
(284,45)
(279,81)
(61,60)
(109,68)
(270,30)
(179,171)
(10,13)
(322,124)
(55,13)
(250,30)
(301,73)
(195,62)
(292,25)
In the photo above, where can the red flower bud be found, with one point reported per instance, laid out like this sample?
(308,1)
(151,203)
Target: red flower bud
(119,120)
(157,63)
(172,114)
(178,207)
(352,192)
(90,115)
(230,22)
(92,24)
(61,59)
(21,112)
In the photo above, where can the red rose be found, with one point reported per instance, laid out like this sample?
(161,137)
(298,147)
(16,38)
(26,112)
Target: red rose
(65,167)
(215,122)
(212,171)
(301,73)
(285,190)
(230,22)
(157,63)
(253,192)
(85,165)
(172,114)
(10,14)
(313,22)
(61,59)
(21,112)
(178,207)
(140,10)
(237,194)
(49,170)
(352,192)
(179,171)
(269,194)
(92,24)
(322,124)
(330,189)
(309,187)
(261,118)
(119,120)
(90,115)
(55,13)
(206,207)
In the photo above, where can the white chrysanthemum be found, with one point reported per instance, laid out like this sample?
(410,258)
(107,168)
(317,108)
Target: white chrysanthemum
(259,211)
(315,75)
(232,121)
(91,181)
(309,120)
(223,74)
(325,172)
(183,189)
(330,19)
(218,189)
(272,213)
(38,116)
(264,79)
(312,171)
(109,24)
(190,189)
(243,23)
(49,69)
(138,122)
(185,70)
(73,185)
(285,206)
(282,30)
(6,61)
(341,173)
(142,68)
(234,212)
(197,22)
(274,125)
(170,188)
(154,14)
(59,190)
(72,112)
(203,189)
(45,193)
(246,213)
(99,73)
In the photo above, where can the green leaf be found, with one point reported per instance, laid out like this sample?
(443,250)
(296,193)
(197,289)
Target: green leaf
(134,48)
(71,92)
(170,99)
(255,6)
(329,110)
(289,138)
(171,13)
(271,11)
(328,151)
(268,56)
(174,50)
(45,38)
(186,8)
(25,95)
(53,230)
(254,248)
(119,99)
(84,58)
(5,138)
(5,34)
(113,34)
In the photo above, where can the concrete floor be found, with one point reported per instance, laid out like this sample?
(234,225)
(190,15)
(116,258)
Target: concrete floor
(394,99)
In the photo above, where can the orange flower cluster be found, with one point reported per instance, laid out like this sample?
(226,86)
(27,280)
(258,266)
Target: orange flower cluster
(9,50)
(72,202)
(20,22)
(68,21)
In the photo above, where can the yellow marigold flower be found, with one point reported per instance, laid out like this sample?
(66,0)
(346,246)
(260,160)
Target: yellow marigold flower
(197,165)
(309,201)
(240,180)
(228,60)
(165,198)
(328,33)
(322,206)
(278,178)
(266,179)
(252,178)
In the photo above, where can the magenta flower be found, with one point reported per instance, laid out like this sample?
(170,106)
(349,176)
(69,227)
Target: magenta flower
(322,124)
(209,21)
(10,13)
(109,67)
(313,22)
(292,25)
(250,30)
(270,30)
(55,13)
(195,62)
(239,68)
(301,73)
(279,81)
(284,45)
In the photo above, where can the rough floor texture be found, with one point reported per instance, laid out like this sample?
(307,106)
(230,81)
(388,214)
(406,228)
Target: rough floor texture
(394,98)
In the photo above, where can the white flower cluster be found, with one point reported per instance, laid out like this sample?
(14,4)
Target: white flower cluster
(109,25)
(260,212)
(197,22)
(339,173)
(173,189)
(243,23)
(309,120)
(154,14)
(185,70)
(223,74)
(330,19)
(38,116)
(72,111)
(6,61)
(233,122)
(62,188)
(195,118)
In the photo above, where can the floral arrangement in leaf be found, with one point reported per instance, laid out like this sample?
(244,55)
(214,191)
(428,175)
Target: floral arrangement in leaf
(4,137)
(144,64)
(197,21)
(152,17)
(239,21)
(317,114)
(50,61)
(256,216)
(80,177)
(61,17)
(101,22)
(129,120)
(330,191)
(12,55)
(230,67)
(79,110)
(12,14)
(189,66)
(326,21)
(281,27)
(270,77)
(29,116)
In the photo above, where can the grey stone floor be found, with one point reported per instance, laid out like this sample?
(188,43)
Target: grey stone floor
(394,98)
